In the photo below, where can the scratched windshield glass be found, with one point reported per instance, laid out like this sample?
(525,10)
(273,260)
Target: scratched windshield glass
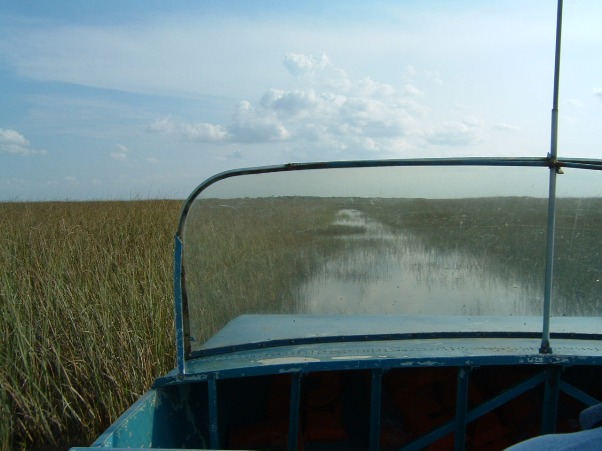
(397,241)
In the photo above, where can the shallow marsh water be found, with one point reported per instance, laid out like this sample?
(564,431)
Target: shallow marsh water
(391,272)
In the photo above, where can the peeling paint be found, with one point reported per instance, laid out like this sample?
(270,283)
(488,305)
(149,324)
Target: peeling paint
(352,357)
(287,360)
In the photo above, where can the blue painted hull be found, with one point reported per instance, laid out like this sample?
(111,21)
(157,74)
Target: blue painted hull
(430,391)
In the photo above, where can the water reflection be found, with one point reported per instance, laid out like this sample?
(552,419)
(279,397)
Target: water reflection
(390,271)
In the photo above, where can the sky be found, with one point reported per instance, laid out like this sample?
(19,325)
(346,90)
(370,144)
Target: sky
(146,99)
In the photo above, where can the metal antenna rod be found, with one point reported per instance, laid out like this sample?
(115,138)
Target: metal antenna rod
(554,169)
(554,138)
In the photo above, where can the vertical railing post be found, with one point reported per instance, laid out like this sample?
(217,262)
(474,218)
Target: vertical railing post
(294,410)
(213,412)
(550,401)
(375,408)
(546,347)
(461,408)
(179,307)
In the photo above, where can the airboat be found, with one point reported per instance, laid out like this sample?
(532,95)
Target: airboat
(393,304)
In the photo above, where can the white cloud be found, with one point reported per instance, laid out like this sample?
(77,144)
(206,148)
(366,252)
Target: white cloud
(506,127)
(330,110)
(121,154)
(13,137)
(204,132)
(252,125)
(368,87)
(118,156)
(13,142)
(299,64)
(598,93)
(201,132)
(165,125)
(291,103)
(412,90)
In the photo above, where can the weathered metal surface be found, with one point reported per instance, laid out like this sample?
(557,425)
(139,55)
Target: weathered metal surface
(388,354)
(181,322)
(261,330)
(161,418)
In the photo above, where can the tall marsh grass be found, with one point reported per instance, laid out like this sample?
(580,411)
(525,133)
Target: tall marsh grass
(86,297)
(86,315)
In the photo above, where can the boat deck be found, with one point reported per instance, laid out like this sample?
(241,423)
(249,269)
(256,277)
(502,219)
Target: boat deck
(423,389)
(262,344)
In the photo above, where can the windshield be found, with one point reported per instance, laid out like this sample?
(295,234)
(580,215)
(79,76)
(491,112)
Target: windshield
(457,241)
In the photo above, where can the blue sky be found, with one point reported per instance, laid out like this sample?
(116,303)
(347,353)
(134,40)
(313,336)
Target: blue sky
(137,99)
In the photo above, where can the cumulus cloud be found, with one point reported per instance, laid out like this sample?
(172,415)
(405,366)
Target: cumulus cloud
(13,142)
(204,132)
(201,132)
(290,103)
(598,93)
(298,64)
(252,125)
(331,111)
(121,153)
(412,90)
(164,125)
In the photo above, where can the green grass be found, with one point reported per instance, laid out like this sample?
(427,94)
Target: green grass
(86,315)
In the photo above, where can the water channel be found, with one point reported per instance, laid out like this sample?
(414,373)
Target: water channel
(390,272)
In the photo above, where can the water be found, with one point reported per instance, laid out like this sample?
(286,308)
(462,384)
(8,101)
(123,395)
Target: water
(390,272)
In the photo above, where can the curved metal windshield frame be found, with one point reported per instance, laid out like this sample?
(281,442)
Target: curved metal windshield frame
(555,166)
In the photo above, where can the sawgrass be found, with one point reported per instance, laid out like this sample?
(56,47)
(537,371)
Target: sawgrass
(86,315)
(86,300)
(86,303)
